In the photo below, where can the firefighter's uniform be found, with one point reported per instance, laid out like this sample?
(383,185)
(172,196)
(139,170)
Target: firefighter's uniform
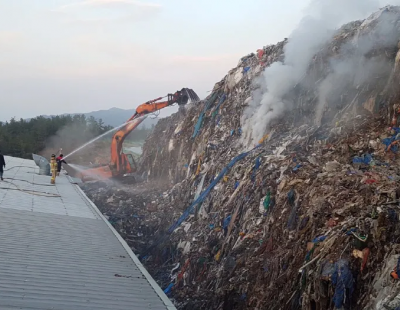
(53,169)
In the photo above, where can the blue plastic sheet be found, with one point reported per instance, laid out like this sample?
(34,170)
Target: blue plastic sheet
(304,222)
(328,269)
(293,217)
(237,183)
(291,196)
(213,146)
(365,159)
(393,138)
(201,117)
(343,281)
(392,214)
(297,167)
(218,120)
(169,288)
(198,125)
(199,200)
(349,233)
(207,191)
(221,101)
(319,239)
(227,221)
(255,168)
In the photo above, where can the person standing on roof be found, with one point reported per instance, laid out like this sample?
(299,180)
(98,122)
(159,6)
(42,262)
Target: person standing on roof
(53,168)
(2,165)
(60,160)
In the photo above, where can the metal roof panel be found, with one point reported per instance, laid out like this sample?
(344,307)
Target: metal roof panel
(57,251)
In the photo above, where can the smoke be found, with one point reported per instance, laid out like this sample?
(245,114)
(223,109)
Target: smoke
(348,73)
(72,136)
(315,30)
(358,64)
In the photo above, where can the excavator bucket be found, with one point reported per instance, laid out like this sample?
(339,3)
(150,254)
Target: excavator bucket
(191,95)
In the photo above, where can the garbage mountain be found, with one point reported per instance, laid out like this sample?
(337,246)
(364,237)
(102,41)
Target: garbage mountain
(300,213)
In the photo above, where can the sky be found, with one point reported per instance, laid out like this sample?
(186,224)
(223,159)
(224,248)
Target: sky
(77,56)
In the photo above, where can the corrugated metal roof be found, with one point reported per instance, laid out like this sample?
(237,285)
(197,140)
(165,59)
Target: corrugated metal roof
(58,252)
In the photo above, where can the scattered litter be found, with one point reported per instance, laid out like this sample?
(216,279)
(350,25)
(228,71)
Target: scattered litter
(306,220)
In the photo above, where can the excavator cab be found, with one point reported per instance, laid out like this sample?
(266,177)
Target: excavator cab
(131,161)
(127,165)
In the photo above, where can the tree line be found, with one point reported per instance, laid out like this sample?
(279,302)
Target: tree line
(38,135)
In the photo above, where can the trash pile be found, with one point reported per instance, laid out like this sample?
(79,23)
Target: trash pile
(308,217)
(132,211)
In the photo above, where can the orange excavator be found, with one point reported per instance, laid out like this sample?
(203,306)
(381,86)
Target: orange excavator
(123,164)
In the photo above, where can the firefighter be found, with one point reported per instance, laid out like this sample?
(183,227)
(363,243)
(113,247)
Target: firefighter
(2,164)
(53,168)
(60,160)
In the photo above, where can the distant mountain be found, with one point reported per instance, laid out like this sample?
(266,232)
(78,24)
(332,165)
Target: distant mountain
(115,117)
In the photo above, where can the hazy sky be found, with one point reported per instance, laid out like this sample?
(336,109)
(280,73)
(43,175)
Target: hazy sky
(65,56)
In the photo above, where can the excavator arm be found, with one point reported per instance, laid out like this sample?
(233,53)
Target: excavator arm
(121,163)
(181,97)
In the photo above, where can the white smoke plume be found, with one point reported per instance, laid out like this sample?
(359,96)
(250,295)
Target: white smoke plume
(351,72)
(315,30)
(355,68)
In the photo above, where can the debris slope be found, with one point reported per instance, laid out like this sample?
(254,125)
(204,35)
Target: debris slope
(307,217)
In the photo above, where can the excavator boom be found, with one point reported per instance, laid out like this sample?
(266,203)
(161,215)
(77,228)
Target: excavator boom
(121,163)
(181,97)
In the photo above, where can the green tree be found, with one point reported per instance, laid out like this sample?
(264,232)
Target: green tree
(22,138)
